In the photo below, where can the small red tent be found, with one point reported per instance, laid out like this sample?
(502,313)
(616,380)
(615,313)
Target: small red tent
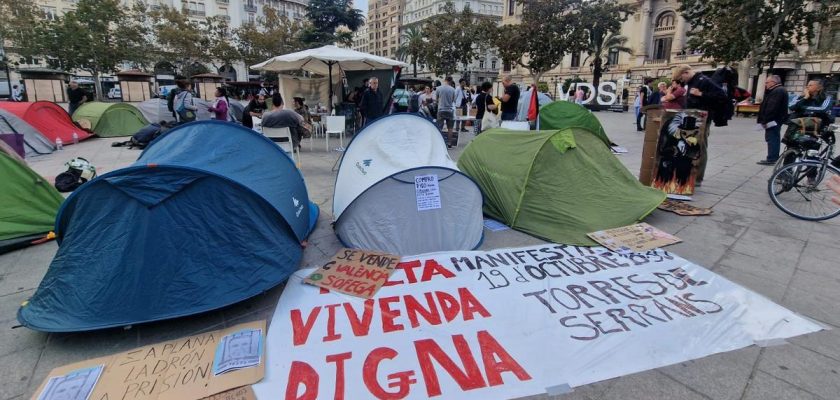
(48,118)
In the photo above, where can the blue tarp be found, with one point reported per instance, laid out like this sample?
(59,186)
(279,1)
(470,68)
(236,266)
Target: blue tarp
(210,214)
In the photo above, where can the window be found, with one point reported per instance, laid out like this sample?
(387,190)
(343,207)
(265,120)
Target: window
(575,60)
(662,48)
(507,66)
(511,6)
(493,64)
(480,64)
(667,19)
(612,57)
(49,13)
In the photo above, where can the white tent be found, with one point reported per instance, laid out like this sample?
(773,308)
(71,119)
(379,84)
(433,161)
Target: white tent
(155,110)
(379,205)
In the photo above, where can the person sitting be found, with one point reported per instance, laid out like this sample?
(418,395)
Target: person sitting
(302,110)
(813,103)
(255,108)
(279,117)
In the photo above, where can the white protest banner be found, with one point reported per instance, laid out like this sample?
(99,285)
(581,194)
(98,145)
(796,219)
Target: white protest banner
(509,323)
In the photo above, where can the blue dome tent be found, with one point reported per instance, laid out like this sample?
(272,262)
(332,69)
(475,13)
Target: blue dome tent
(210,214)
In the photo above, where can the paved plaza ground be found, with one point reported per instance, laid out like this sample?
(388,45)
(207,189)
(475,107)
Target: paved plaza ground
(795,263)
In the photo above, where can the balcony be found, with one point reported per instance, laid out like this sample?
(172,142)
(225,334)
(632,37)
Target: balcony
(223,1)
(685,58)
(195,13)
(250,8)
(649,61)
(665,29)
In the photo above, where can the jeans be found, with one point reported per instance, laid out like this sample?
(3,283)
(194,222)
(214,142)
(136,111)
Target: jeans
(508,116)
(773,137)
(639,115)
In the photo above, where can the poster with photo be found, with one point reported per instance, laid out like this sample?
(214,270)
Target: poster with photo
(680,147)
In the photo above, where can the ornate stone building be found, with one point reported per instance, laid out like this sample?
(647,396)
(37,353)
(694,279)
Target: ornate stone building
(656,34)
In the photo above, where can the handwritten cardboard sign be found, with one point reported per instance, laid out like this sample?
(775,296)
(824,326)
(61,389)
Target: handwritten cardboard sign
(358,273)
(427,191)
(180,369)
(633,238)
(241,393)
(683,208)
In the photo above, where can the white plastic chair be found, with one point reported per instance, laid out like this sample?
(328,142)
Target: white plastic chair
(335,124)
(516,125)
(283,138)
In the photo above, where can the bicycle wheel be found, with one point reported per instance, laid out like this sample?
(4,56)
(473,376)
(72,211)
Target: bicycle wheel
(799,189)
(789,155)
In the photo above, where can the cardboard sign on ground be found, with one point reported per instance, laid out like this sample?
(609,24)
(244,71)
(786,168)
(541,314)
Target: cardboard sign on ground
(241,393)
(683,208)
(633,238)
(358,273)
(180,369)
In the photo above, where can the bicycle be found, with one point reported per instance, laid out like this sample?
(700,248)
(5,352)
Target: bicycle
(799,188)
(795,149)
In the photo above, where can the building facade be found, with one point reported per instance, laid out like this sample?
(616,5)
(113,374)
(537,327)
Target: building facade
(361,40)
(486,66)
(383,26)
(236,12)
(657,35)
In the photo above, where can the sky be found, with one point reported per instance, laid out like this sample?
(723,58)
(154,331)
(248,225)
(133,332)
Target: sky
(361,5)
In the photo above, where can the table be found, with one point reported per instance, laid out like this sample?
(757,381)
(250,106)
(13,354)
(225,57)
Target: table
(459,122)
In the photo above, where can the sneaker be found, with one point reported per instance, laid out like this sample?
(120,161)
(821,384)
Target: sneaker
(448,146)
(766,162)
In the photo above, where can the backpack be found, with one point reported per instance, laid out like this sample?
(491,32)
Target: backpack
(144,136)
(78,172)
(170,99)
(184,114)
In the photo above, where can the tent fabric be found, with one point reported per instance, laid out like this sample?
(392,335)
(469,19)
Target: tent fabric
(34,142)
(380,165)
(155,110)
(211,213)
(565,114)
(29,202)
(48,118)
(110,119)
(557,185)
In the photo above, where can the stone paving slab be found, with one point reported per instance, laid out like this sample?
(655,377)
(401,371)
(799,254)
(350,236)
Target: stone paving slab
(746,239)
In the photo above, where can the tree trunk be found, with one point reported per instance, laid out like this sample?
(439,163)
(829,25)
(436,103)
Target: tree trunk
(414,62)
(596,72)
(97,85)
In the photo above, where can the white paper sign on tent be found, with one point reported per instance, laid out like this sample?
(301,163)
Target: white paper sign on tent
(428,192)
(510,323)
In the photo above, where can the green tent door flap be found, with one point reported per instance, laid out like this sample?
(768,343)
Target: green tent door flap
(565,114)
(29,202)
(557,185)
(110,119)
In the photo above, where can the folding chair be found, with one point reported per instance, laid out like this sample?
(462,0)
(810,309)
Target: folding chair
(283,138)
(335,124)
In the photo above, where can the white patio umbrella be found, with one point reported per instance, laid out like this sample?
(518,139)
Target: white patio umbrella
(322,59)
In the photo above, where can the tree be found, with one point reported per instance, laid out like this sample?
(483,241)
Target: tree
(452,38)
(602,20)
(96,37)
(221,48)
(549,30)
(272,35)
(19,26)
(757,31)
(179,40)
(326,16)
(412,45)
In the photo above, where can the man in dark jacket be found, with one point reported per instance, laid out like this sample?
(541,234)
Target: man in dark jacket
(771,115)
(703,94)
(372,103)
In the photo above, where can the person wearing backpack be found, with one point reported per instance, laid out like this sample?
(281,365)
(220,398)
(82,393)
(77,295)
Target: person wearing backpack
(170,101)
(185,108)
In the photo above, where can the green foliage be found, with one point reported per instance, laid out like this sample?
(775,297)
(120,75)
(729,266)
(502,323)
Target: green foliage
(325,17)
(19,26)
(272,35)
(602,20)
(758,31)
(454,38)
(179,39)
(549,30)
(569,82)
(221,48)
(412,45)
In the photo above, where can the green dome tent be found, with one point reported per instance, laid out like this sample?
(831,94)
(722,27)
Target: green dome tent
(29,202)
(558,185)
(110,119)
(564,114)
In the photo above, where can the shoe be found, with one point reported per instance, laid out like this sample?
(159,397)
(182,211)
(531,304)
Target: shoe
(639,130)
(448,146)
(766,162)
(698,183)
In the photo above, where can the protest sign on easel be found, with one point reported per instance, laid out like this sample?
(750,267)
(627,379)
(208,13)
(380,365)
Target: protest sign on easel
(180,369)
(357,273)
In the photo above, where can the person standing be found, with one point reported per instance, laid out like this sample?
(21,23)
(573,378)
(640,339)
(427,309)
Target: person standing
(463,98)
(510,99)
(220,106)
(184,106)
(674,98)
(372,102)
(482,100)
(17,94)
(446,108)
(706,95)
(772,113)
(656,97)
(76,96)
(579,95)
(642,99)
